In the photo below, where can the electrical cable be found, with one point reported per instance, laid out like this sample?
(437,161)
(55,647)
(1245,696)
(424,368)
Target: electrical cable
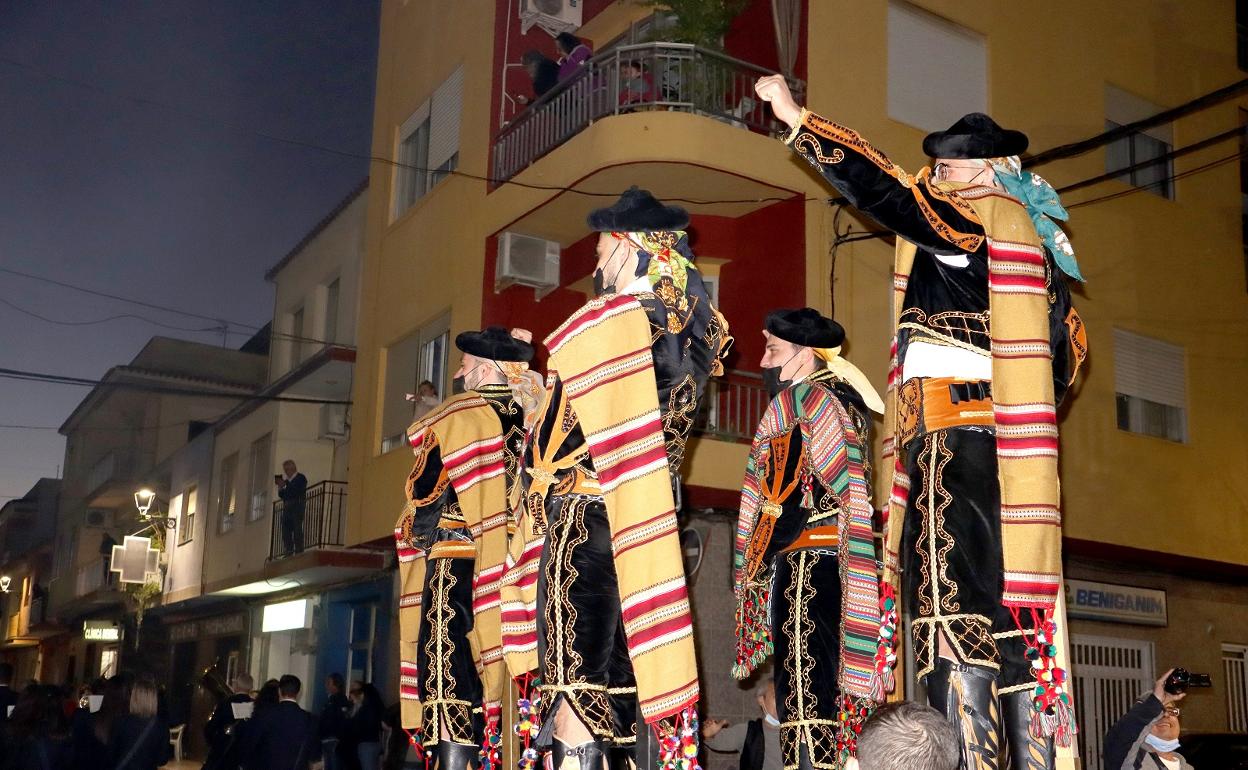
(58,379)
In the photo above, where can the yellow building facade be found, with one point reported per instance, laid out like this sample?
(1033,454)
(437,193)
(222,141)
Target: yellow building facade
(1165,302)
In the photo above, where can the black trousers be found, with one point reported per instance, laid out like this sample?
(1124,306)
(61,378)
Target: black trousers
(580,634)
(951,554)
(806,632)
(292,531)
(450,687)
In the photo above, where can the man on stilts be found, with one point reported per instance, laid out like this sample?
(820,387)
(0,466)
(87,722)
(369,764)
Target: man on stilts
(452,542)
(595,600)
(986,345)
(805,568)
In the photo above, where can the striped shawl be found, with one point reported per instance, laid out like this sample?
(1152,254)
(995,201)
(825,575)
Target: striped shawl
(468,433)
(1023,404)
(835,455)
(602,355)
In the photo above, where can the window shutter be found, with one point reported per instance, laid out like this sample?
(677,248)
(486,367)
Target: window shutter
(937,70)
(444,119)
(1150,369)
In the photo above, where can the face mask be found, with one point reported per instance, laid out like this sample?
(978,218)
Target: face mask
(600,277)
(1161,744)
(771,720)
(457,385)
(771,378)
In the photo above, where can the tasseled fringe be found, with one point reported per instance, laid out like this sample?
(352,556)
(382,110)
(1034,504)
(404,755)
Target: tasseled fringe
(1051,713)
(883,680)
(527,725)
(850,718)
(754,642)
(492,740)
(678,747)
(414,738)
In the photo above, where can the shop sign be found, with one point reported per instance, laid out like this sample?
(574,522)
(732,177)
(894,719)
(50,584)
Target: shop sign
(1115,603)
(225,625)
(100,631)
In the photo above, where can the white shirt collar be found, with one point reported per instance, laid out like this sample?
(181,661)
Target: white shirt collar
(640,285)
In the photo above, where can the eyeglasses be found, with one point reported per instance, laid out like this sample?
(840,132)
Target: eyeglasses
(940,172)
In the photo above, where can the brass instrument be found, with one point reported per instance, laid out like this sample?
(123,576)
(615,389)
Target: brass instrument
(213,683)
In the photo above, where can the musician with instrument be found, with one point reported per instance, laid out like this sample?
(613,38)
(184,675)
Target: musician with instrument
(221,729)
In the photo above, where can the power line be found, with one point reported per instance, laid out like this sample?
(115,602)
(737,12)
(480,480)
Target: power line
(122,316)
(1173,177)
(58,379)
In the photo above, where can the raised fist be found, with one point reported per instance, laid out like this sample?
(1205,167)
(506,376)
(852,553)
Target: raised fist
(774,89)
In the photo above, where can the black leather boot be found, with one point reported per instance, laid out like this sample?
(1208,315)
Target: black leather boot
(458,756)
(1027,752)
(591,755)
(967,695)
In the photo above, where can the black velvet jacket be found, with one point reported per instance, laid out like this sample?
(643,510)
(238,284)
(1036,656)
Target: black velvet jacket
(943,301)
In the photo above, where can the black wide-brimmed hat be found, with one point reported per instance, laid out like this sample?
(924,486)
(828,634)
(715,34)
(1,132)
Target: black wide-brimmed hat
(496,344)
(975,136)
(637,211)
(806,327)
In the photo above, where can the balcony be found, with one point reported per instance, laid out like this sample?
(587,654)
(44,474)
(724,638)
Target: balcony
(322,524)
(676,77)
(111,480)
(732,407)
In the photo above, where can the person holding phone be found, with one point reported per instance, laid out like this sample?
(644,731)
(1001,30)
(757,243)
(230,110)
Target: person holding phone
(292,489)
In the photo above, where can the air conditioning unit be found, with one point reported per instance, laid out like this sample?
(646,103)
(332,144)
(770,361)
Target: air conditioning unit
(333,421)
(527,261)
(553,16)
(97,517)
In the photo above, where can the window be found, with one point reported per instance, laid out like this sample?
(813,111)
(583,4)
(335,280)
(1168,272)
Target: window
(260,463)
(226,493)
(1150,383)
(428,148)
(297,336)
(1235,667)
(331,310)
(937,70)
(414,359)
(186,527)
(1139,147)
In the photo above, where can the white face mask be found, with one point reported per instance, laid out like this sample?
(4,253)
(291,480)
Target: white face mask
(1161,744)
(771,720)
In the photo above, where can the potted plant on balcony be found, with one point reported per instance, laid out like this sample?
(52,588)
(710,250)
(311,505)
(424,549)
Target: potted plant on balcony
(697,80)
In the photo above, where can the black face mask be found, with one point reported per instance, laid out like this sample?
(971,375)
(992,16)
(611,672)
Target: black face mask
(457,386)
(600,278)
(771,378)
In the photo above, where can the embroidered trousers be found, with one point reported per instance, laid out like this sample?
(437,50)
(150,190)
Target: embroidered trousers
(449,683)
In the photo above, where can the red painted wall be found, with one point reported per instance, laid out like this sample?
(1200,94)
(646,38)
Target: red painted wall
(752,38)
(767,269)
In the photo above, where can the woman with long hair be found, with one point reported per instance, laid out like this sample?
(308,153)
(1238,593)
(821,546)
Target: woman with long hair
(140,739)
(37,736)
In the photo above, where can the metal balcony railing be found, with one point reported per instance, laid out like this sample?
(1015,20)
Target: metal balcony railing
(322,523)
(732,407)
(675,77)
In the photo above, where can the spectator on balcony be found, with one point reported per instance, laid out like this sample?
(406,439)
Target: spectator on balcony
(572,55)
(292,489)
(424,400)
(636,85)
(106,556)
(544,73)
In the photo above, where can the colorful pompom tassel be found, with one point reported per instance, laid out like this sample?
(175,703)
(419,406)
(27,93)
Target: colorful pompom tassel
(678,745)
(1052,713)
(884,681)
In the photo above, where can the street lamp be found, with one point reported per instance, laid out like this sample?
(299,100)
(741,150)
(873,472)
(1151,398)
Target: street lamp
(144,499)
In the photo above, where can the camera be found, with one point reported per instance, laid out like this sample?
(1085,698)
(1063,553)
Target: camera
(1180,679)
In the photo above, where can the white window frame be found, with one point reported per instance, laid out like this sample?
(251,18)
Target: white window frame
(259,501)
(186,516)
(227,493)
(440,117)
(437,329)
(1150,379)
(1122,108)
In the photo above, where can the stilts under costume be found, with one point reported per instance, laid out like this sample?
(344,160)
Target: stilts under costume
(986,345)
(452,541)
(806,576)
(594,597)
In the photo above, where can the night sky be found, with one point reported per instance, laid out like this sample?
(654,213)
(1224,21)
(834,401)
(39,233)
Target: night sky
(130,163)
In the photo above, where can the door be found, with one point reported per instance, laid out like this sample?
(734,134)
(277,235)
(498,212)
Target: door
(1109,675)
(362,642)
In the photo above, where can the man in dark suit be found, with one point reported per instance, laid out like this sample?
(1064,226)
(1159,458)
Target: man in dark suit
(8,696)
(282,736)
(293,490)
(217,731)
